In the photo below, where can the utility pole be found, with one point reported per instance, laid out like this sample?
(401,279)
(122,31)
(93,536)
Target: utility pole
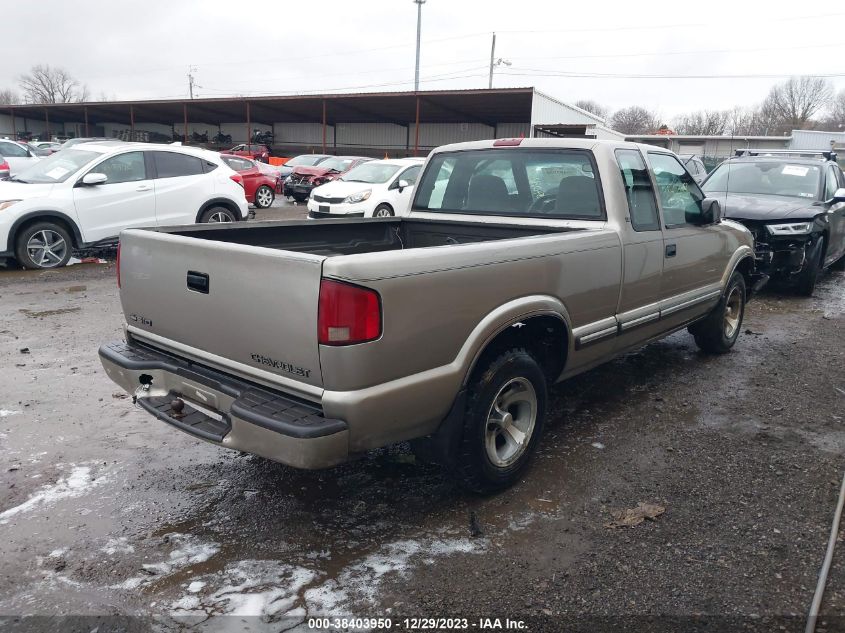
(492,57)
(191,70)
(419,4)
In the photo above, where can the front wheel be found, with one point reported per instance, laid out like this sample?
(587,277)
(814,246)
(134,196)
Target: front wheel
(718,331)
(43,245)
(506,409)
(383,211)
(264,197)
(217,214)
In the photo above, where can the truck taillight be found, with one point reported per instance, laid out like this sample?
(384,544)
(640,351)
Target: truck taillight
(238,179)
(118,265)
(347,314)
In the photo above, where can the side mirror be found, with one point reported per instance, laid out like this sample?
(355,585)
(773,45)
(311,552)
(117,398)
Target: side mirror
(402,184)
(94,178)
(839,196)
(711,211)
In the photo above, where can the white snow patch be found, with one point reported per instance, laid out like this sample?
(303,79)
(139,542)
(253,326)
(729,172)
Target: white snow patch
(4,413)
(117,546)
(196,586)
(77,483)
(57,552)
(188,551)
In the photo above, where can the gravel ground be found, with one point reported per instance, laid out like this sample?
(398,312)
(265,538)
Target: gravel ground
(107,512)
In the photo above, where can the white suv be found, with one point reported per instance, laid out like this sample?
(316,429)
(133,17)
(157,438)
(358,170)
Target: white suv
(85,196)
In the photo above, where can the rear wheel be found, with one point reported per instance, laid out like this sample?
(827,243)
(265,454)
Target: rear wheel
(264,197)
(383,211)
(43,245)
(718,332)
(812,265)
(506,408)
(217,214)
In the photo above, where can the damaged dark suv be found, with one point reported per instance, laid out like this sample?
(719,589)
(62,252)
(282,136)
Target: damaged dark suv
(794,205)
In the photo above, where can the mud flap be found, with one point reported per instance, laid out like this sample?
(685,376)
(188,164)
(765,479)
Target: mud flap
(441,447)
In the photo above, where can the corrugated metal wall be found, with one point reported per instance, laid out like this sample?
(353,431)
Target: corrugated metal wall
(545,110)
(811,139)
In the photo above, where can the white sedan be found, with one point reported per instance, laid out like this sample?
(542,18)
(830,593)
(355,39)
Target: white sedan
(18,155)
(378,188)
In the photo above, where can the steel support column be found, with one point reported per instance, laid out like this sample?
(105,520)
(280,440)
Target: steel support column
(131,122)
(417,130)
(85,109)
(324,126)
(248,124)
(14,125)
(185,116)
(47,120)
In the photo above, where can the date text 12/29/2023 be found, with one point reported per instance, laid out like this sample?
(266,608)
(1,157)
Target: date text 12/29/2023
(414,624)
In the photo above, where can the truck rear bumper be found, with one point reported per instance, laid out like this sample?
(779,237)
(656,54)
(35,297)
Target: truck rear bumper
(227,411)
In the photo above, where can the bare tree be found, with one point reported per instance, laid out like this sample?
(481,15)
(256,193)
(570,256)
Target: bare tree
(792,104)
(8,96)
(593,107)
(835,118)
(634,120)
(702,123)
(47,84)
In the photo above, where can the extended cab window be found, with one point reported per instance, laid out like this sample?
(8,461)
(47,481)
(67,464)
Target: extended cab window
(638,190)
(127,167)
(171,164)
(680,197)
(513,182)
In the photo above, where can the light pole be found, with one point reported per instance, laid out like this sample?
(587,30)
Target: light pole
(419,4)
(495,62)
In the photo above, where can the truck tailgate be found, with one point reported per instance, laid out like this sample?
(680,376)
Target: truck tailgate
(244,309)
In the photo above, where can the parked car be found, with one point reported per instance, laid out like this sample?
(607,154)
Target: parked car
(5,169)
(85,139)
(377,188)
(259,186)
(303,179)
(251,150)
(84,196)
(544,258)
(19,156)
(793,203)
(695,166)
(49,147)
(303,160)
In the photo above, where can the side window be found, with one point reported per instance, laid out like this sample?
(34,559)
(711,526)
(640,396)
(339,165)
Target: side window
(173,165)
(831,183)
(680,196)
(411,174)
(12,151)
(127,167)
(641,202)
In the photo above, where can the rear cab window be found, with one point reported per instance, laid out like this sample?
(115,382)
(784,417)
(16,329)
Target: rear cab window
(542,183)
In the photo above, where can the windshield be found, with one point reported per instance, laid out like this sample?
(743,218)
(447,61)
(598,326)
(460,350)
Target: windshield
(336,164)
(774,178)
(371,172)
(306,160)
(58,167)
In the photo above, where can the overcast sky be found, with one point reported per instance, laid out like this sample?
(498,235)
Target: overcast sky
(143,50)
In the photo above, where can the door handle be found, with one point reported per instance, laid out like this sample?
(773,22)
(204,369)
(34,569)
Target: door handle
(671,250)
(198,282)
(143,188)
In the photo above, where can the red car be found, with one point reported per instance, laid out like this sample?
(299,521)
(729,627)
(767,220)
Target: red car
(303,179)
(250,150)
(259,185)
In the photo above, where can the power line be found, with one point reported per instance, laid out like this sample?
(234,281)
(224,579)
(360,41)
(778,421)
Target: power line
(539,72)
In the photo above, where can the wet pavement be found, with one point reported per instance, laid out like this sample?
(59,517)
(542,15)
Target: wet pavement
(104,510)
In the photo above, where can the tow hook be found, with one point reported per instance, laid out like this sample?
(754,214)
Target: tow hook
(177,407)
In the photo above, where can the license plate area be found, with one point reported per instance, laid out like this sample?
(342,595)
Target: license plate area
(324,208)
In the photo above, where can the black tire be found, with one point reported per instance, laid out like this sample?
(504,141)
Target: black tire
(300,199)
(52,257)
(806,281)
(267,190)
(383,211)
(718,331)
(216,214)
(506,377)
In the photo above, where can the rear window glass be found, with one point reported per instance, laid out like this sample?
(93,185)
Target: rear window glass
(534,183)
(172,165)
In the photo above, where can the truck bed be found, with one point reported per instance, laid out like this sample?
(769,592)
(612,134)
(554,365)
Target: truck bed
(329,238)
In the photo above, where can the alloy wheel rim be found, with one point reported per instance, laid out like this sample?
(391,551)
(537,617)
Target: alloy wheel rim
(733,312)
(382,213)
(510,422)
(264,198)
(46,248)
(219,216)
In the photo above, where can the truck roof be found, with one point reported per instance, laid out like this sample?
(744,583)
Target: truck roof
(547,143)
